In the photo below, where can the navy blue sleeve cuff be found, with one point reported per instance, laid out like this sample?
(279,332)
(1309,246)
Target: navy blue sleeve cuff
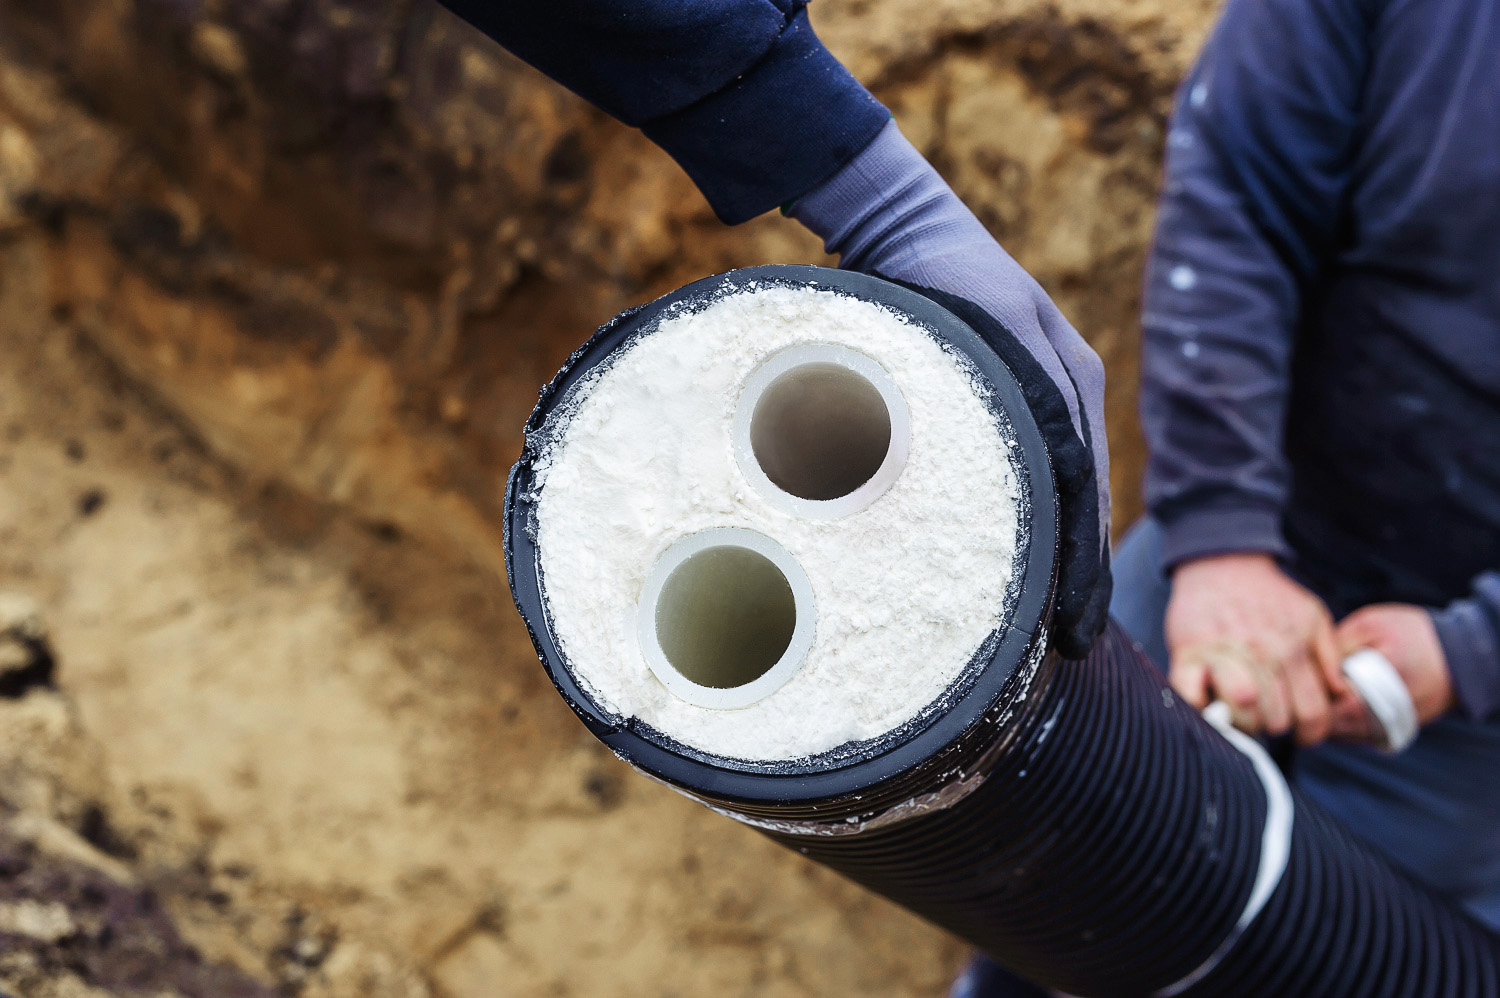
(789,123)
(1469,631)
(1206,532)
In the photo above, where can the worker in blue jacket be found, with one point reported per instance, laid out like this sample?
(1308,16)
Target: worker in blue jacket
(1321,398)
(1321,381)
(1320,393)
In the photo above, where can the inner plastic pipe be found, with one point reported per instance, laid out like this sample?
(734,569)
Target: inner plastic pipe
(821,430)
(1075,819)
(726,618)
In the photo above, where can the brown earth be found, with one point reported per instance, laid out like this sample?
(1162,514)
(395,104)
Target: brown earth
(279,280)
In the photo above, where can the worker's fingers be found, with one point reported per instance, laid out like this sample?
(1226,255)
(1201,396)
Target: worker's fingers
(1189,678)
(1349,720)
(1329,658)
(1234,681)
(1351,634)
(1361,629)
(1310,702)
(1275,701)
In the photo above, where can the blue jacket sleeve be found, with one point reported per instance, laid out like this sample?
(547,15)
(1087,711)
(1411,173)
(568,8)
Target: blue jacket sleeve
(1258,155)
(1469,631)
(741,93)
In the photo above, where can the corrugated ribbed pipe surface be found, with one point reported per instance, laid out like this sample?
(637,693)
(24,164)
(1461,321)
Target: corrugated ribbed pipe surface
(1074,819)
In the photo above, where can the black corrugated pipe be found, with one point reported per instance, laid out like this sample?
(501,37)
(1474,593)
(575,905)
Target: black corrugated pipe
(1072,818)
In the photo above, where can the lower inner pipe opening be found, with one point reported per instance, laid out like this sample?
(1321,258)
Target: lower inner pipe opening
(726,617)
(820,431)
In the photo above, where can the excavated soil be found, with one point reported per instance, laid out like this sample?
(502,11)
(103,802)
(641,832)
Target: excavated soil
(330,755)
(279,280)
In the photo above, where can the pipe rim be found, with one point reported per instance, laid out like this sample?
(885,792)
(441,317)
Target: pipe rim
(741,781)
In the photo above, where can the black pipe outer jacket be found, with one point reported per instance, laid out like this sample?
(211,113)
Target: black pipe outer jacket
(1081,823)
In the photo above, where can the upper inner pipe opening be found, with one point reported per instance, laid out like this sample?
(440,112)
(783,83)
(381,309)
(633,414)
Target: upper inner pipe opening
(820,431)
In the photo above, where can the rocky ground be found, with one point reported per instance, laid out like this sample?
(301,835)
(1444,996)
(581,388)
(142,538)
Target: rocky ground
(278,282)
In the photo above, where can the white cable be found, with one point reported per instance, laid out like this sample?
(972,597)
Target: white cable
(1384,692)
(1275,840)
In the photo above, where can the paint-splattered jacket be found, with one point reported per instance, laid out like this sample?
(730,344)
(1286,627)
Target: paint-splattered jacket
(1322,327)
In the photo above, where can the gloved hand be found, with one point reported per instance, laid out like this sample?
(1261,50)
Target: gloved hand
(888,213)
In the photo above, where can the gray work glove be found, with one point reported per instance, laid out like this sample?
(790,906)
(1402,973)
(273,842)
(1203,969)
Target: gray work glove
(889,213)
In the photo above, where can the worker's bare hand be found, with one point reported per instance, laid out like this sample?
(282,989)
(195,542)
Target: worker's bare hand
(1405,636)
(1240,630)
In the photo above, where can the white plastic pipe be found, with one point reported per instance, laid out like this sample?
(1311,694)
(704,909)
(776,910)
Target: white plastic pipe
(726,618)
(821,430)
